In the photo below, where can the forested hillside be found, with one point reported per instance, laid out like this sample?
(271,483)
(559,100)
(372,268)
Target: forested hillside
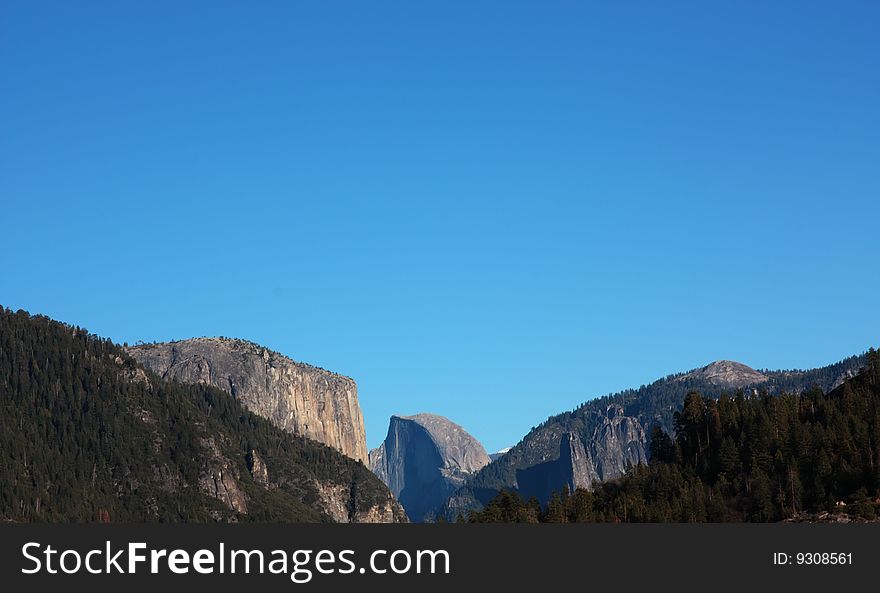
(87,434)
(740,458)
(650,406)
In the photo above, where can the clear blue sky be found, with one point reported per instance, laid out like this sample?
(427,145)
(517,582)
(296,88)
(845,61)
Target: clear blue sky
(488,210)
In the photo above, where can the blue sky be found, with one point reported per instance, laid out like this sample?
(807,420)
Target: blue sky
(488,210)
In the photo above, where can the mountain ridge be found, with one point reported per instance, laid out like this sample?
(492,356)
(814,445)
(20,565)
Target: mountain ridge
(650,405)
(799,457)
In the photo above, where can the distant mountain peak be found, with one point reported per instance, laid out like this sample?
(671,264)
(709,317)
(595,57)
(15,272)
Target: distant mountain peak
(458,449)
(501,453)
(727,373)
(424,458)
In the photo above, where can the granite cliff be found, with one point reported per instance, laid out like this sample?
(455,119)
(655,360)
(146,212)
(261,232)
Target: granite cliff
(423,459)
(302,399)
(615,444)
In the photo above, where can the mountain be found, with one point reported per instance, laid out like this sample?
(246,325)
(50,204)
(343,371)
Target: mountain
(497,454)
(726,373)
(305,400)
(423,459)
(804,457)
(602,438)
(89,434)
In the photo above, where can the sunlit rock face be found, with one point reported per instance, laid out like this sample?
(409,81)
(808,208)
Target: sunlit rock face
(727,373)
(302,399)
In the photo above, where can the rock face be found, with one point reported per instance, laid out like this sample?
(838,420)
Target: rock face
(219,478)
(297,397)
(572,469)
(424,459)
(616,443)
(259,471)
(727,373)
(337,501)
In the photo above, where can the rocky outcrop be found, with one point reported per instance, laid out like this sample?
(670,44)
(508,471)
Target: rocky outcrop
(258,469)
(571,469)
(388,511)
(297,397)
(424,458)
(727,373)
(844,376)
(616,443)
(340,504)
(218,478)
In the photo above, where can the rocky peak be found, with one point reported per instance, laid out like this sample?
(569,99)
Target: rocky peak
(460,451)
(258,469)
(727,373)
(300,398)
(424,458)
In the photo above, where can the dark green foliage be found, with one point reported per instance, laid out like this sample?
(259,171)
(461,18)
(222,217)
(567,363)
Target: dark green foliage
(661,446)
(86,434)
(508,507)
(741,458)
